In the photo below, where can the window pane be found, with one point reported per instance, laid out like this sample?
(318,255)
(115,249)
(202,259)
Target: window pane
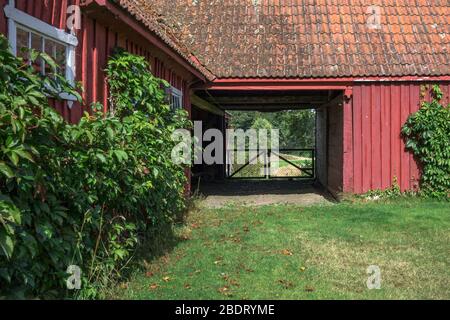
(60,57)
(36,44)
(49,47)
(58,53)
(22,43)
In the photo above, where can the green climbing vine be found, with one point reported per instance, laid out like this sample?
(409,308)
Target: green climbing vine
(427,134)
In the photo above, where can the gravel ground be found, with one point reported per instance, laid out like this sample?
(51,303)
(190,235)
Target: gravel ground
(259,193)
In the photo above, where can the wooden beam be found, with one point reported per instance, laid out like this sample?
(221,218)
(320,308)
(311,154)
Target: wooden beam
(338,100)
(207,106)
(271,107)
(264,100)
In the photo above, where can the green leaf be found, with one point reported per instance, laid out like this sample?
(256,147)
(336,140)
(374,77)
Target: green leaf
(24,154)
(6,170)
(7,244)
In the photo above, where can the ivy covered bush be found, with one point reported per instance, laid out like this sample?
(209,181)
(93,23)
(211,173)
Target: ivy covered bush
(87,194)
(427,134)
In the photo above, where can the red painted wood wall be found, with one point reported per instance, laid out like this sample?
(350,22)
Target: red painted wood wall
(374,151)
(95,44)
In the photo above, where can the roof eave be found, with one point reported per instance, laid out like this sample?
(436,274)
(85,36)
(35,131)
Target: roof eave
(152,37)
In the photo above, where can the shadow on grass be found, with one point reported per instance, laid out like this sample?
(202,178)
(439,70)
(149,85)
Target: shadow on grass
(159,241)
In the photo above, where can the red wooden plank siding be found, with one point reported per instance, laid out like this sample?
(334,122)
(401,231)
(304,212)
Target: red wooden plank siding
(348,177)
(357,139)
(414,168)
(386,178)
(95,45)
(88,57)
(376,136)
(366,138)
(404,156)
(379,153)
(3,26)
(395,127)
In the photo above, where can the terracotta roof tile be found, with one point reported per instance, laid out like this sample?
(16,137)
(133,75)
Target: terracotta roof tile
(313,38)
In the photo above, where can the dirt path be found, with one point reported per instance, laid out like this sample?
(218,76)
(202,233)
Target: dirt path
(260,193)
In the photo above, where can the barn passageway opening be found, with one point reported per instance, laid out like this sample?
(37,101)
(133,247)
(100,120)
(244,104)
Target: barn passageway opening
(309,153)
(283,145)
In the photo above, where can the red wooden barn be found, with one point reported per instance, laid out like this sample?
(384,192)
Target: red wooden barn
(363,65)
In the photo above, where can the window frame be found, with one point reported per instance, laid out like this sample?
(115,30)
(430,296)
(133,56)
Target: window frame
(176,95)
(17,18)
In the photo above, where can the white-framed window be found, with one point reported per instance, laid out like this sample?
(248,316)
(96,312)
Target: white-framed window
(176,98)
(25,31)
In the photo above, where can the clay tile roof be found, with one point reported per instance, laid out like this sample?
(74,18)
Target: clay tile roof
(314,38)
(144,12)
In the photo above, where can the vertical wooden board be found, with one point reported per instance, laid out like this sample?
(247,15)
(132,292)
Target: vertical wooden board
(376,136)
(159,72)
(60,107)
(155,67)
(357,141)
(366,139)
(3,21)
(22,5)
(111,43)
(447,101)
(95,61)
(404,160)
(55,13)
(37,9)
(88,65)
(122,41)
(445,87)
(77,110)
(386,179)
(100,44)
(32,7)
(414,166)
(348,175)
(46,14)
(61,14)
(395,128)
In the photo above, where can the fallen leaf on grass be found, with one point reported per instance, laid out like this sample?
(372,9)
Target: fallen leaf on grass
(154,286)
(166,279)
(286,284)
(187,286)
(234,283)
(225,291)
(309,289)
(286,252)
(149,274)
(302,269)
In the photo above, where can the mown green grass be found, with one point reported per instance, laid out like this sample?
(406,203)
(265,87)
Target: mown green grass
(320,252)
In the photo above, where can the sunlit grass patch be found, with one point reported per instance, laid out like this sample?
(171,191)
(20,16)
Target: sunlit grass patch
(319,252)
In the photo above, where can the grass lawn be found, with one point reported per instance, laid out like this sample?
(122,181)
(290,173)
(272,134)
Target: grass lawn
(320,252)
